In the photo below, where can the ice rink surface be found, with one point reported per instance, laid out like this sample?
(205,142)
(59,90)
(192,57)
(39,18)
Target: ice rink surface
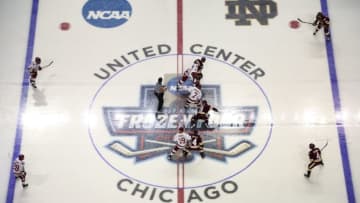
(89,132)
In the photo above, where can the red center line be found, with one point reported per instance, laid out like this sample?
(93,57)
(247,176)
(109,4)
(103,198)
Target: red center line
(179,66)
(179,27)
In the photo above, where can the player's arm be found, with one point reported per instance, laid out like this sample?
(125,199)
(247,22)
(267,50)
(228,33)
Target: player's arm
(163,88)
(327,21)
(315,22)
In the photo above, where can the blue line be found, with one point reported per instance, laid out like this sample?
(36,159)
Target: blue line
(23,98)
(339,121)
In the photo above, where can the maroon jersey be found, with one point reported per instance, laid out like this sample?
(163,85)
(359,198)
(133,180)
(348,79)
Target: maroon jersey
(322,20)
(315,154)
(205,108)
(199,64)
(196,141)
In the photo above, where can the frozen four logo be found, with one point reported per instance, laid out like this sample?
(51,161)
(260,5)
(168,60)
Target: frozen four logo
(107,14)
(154,136)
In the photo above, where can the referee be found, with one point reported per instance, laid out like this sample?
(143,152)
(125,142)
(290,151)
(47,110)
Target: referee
(159,93)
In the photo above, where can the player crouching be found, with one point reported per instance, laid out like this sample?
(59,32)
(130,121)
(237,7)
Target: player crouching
(181,138)
(202,114)
(194,73)
(186,142)
(196,143)
(194,97)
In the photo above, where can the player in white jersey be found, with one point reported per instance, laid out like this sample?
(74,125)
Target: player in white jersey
(182,140)
(194,97)
(194,73)
(34,68)
(19,169)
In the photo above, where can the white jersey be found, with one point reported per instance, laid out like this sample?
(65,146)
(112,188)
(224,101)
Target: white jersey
(18,166)
(34,67)
(195,94)
(182,139)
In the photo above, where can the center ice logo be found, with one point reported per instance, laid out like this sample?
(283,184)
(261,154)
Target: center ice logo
(107,14)
(154,136)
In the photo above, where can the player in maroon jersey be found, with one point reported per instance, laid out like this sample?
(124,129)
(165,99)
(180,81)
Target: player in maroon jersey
(34,68)
(315,159)
(196,143)
(203,114)
(322,21)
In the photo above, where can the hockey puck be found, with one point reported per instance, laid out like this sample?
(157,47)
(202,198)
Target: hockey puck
(294,24)
(64,26)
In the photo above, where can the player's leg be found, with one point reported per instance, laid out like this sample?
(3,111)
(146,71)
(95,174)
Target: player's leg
(318,27)
(193,121)
(173,151)
(185,152)
(161,102)
(33,79)
(23,180)
(311,165)
(327,32)
(201,147)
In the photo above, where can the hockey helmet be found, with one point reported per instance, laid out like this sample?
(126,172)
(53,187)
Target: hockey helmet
(37,60)
(21,157)
(311,145)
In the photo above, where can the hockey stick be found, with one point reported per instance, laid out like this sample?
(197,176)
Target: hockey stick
(51,62)
(325,145)
(301,21)
(242,147)
(118,147)
(235,151)
(173,144)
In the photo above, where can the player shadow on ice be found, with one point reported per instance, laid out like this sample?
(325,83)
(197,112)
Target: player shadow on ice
(180,156)
(39,97)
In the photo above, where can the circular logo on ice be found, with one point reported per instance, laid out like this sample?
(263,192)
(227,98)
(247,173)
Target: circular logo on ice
(107,14)
(131,138)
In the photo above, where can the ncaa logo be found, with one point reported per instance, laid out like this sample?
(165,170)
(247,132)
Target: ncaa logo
(107,14)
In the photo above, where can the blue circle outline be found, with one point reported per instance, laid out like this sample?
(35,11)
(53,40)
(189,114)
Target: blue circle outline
(192,187)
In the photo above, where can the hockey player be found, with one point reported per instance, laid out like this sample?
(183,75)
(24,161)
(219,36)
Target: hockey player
(34,68)
(203,114)
(182,140)
(194,73)
(197,143)
(322,21)
(194,97)
(19,169)
(315,159)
